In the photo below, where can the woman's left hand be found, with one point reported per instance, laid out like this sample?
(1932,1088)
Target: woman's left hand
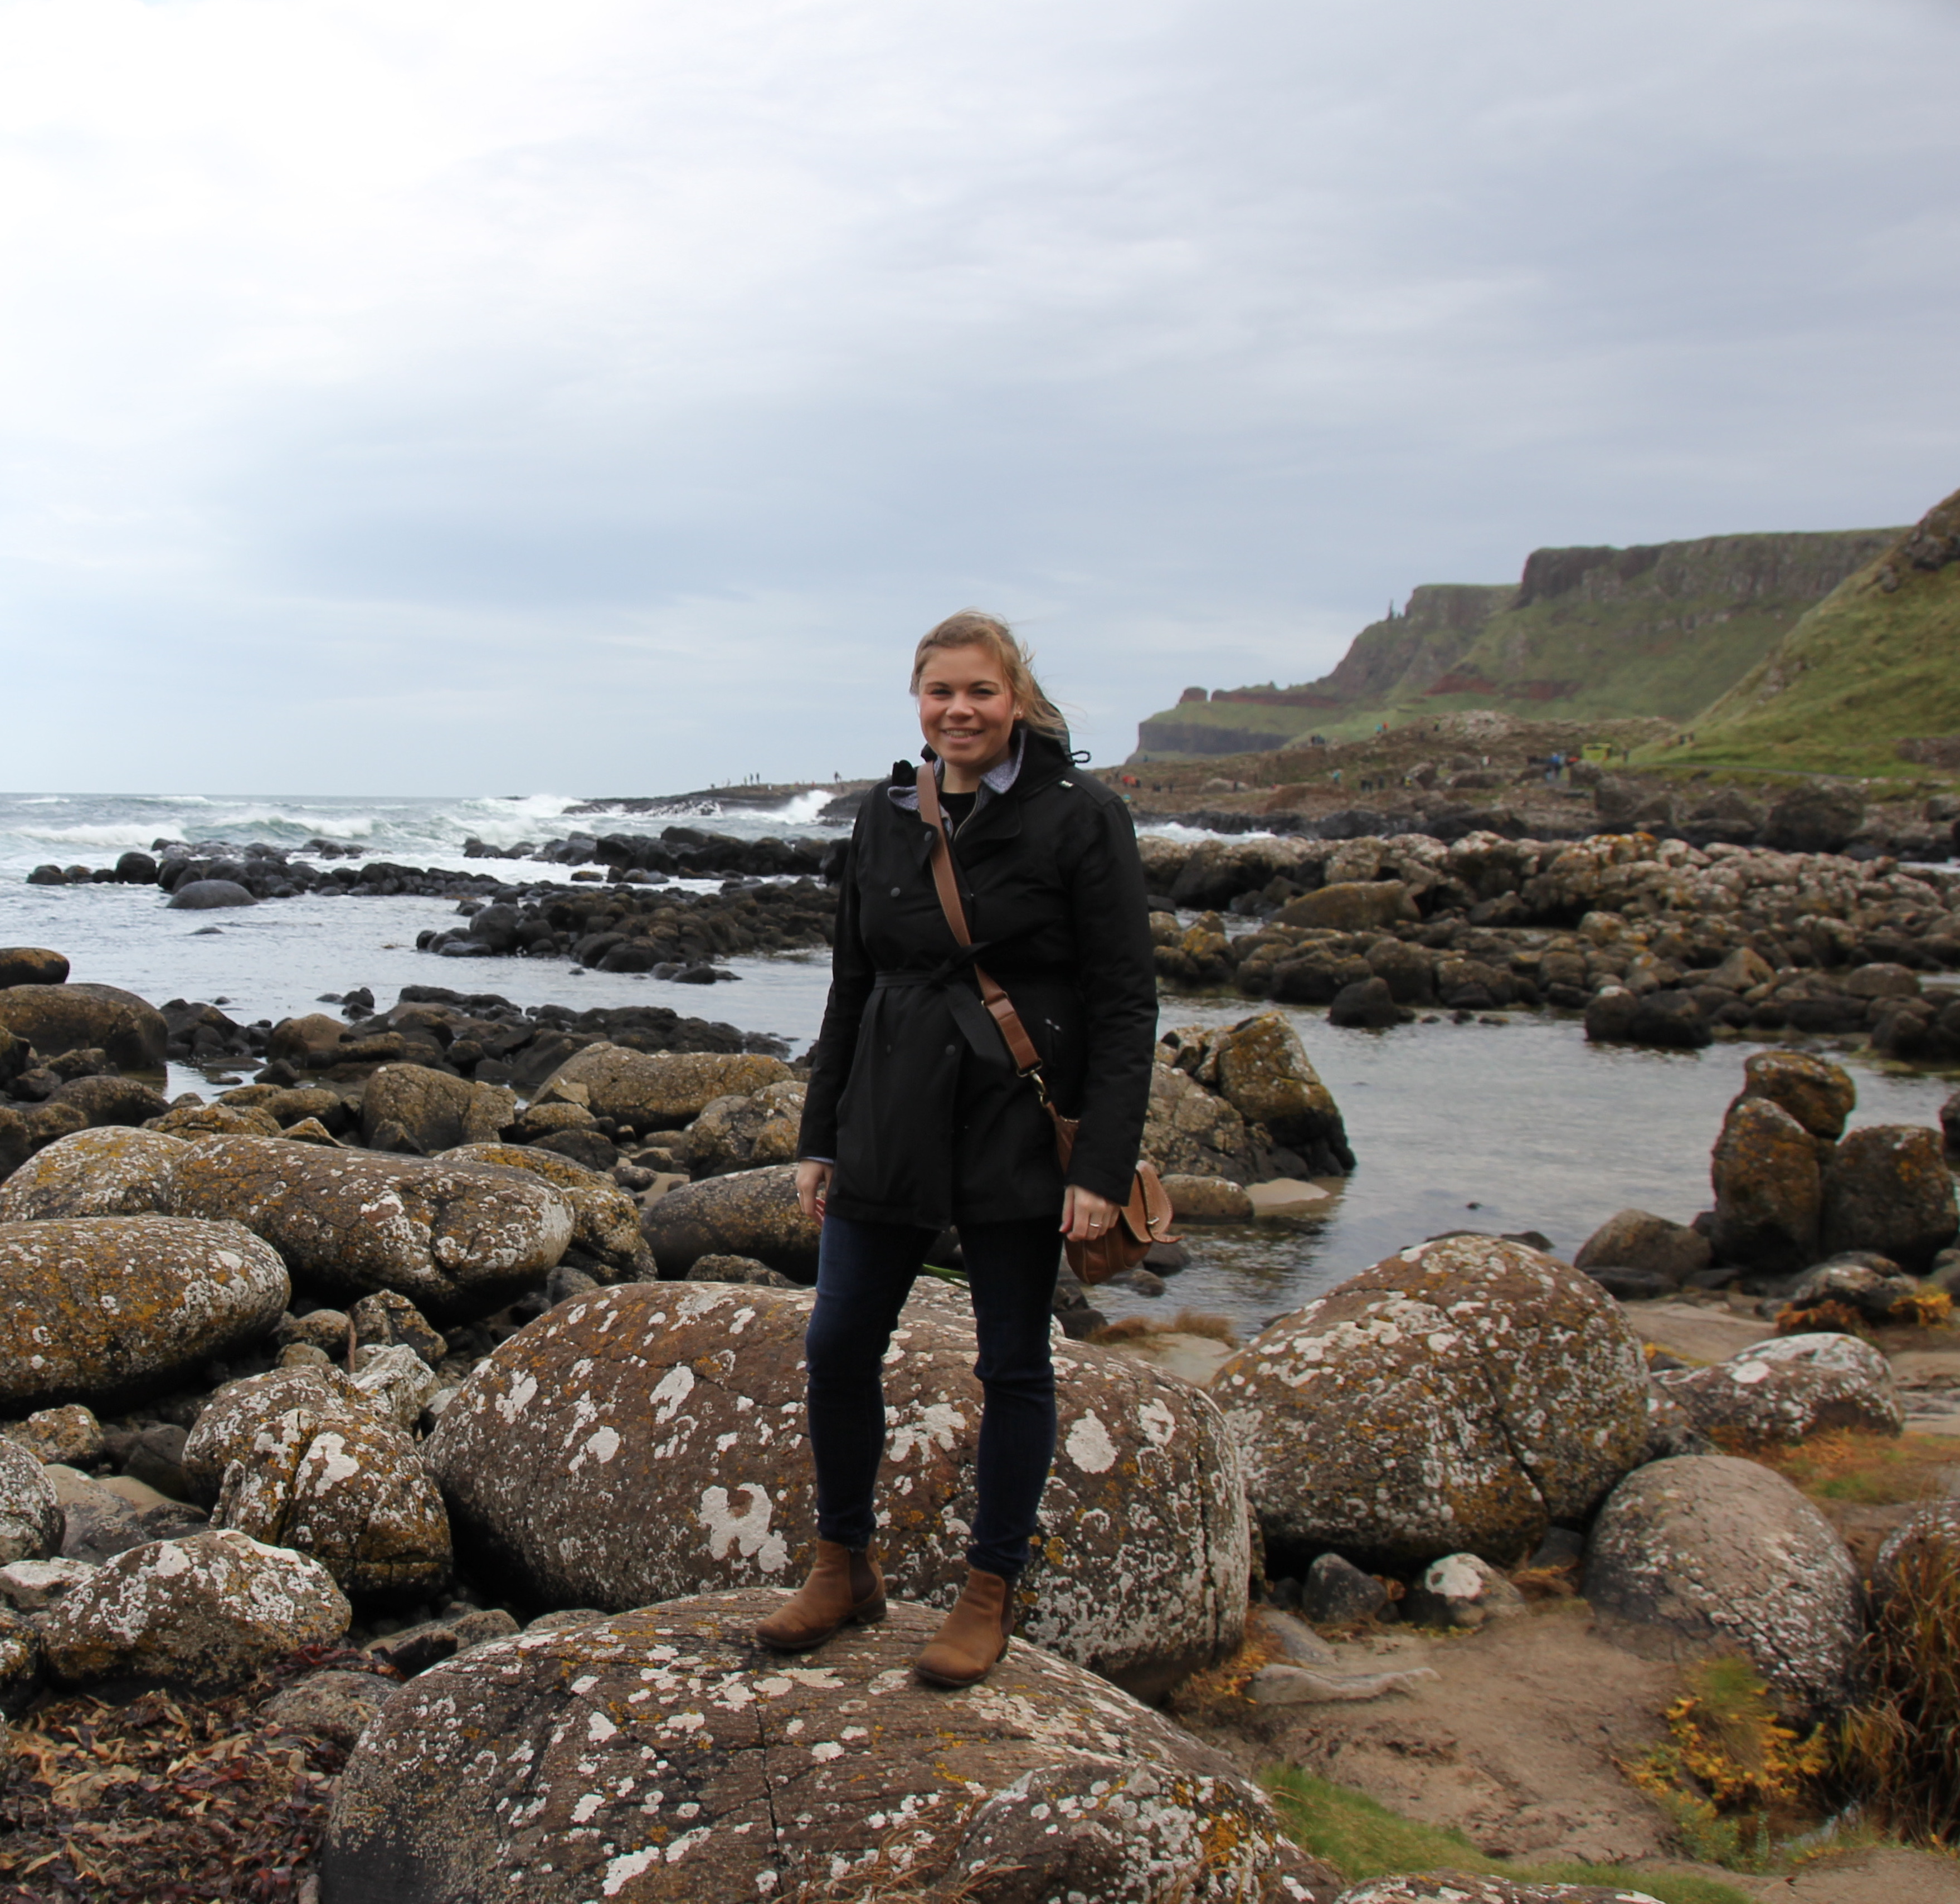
(1085,1216)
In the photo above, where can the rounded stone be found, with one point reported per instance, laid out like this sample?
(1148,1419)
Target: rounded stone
(1460,1395)
(1266,1077)
(204,1612)
(1208,1200)
(114,1171)
(31,1521)
(1781,1391)
(206,895)
(605,1221)
(1768,1190)
(453,1238)
(1711,1554)
(680,1406)
(661,1090)
(31,965)
(110,1308)
(112,1100)
(437,1110)
(748,1212)
(1888,1190)
(229,1423)
(1819,1095)
(54,1018)
(1636,1240)
(659,1754)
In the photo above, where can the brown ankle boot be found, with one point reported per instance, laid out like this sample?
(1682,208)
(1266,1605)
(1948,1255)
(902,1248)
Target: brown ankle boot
(974,1636)
(843,1587)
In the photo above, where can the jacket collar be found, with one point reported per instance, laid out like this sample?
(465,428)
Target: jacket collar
(1036,761)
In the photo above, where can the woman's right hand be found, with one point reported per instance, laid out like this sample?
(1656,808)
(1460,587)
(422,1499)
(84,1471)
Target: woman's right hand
(812,1181)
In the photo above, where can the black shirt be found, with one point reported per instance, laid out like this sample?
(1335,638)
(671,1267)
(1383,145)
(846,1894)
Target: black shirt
(958,806)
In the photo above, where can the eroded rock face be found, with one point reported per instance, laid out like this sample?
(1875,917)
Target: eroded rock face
(657,1754)
(1460,1395)
(605,1221)
(204,1612)
(679,1407)
(1888,1190)
(1708,1554)
(452,1238)
(1769,1193)
(660,1090)
(53,1019)
(30,1515)
(1781,1391)
(113,1172)
(748,1212)
(106,1308)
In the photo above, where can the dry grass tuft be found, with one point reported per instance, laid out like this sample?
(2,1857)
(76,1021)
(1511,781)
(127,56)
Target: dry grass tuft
(1859,1465)
(1186,1322)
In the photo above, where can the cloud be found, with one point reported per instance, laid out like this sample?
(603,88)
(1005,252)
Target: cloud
(409,397)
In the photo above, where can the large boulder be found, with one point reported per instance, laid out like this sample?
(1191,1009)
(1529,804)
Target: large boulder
(114,1172)
(54,1018)
(350,1489)
(749,1213)
(107,1101)
(1636,1240)
(1780,1391)
(1769,1192)
(22,1133)
(1708,1554)
(109,1308)
(659,1090)
(207,895)
(30,1515)
(31,965)
(1888,1190)
(230,1422)
(1460,1396)
(605,1221)
(745,1133)
(1189,1131)
(453,1238)
(437,1111)
(1266,1077)
(1816,816)
(204,1612)
(1349,905)
(680,1406)
(658,1754)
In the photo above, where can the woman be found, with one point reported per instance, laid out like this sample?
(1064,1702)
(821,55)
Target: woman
(916,1118)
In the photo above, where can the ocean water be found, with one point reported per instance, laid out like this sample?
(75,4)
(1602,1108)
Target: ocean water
(1517,1126)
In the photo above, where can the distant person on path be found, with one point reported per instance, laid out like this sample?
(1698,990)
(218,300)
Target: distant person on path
(916,1118)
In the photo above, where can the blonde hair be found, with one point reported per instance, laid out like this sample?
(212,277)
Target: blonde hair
(970,628)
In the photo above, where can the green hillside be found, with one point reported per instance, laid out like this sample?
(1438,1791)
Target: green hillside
(1877,661)
(1586,633)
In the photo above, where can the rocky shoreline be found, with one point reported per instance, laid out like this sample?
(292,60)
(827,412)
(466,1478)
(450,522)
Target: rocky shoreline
(451,1366)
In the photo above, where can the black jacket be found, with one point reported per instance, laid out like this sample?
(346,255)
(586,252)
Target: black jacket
(911,1091)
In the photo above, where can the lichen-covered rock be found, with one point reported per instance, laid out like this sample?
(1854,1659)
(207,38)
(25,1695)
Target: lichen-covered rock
(70,1434)
(1780,1391)
(1464,1887)
(1819,1095)
(334,1705)
(105,1308)
(747,1132)
(30,1515)
(1923,1550)
(383,1320)
(1636,1240)
(1769,1192)
(348,1490)
(1189,1131)
(1461,1590)
(31,965)
(452,1237)
(54,1018)
(33,1586)
(397,1382)
(1266,1077)
(1461,1395)
(19,1663)
(1888,1189)
(605,1221)
(23,1133)
(658,1755)
(679,1406)
(1349,905)
(230,1422)
(205,1612)
(749,1213)
(660,1090)
(114,1172)
(1710,1554)
(111,1102)
(438,1111)
(190,1121)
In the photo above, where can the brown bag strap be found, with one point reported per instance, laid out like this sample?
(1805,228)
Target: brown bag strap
(1000,1007)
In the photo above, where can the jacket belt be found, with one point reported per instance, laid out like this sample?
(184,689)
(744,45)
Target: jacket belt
(962,998)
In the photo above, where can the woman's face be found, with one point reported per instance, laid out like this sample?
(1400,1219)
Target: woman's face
(966,711)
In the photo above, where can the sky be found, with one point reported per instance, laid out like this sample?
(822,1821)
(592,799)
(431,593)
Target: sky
(597,398)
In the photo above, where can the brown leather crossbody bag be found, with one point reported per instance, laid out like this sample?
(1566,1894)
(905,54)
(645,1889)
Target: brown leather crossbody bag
(1146,1218)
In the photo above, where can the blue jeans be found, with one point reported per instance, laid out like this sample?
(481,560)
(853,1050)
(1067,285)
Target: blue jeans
(864,1272)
